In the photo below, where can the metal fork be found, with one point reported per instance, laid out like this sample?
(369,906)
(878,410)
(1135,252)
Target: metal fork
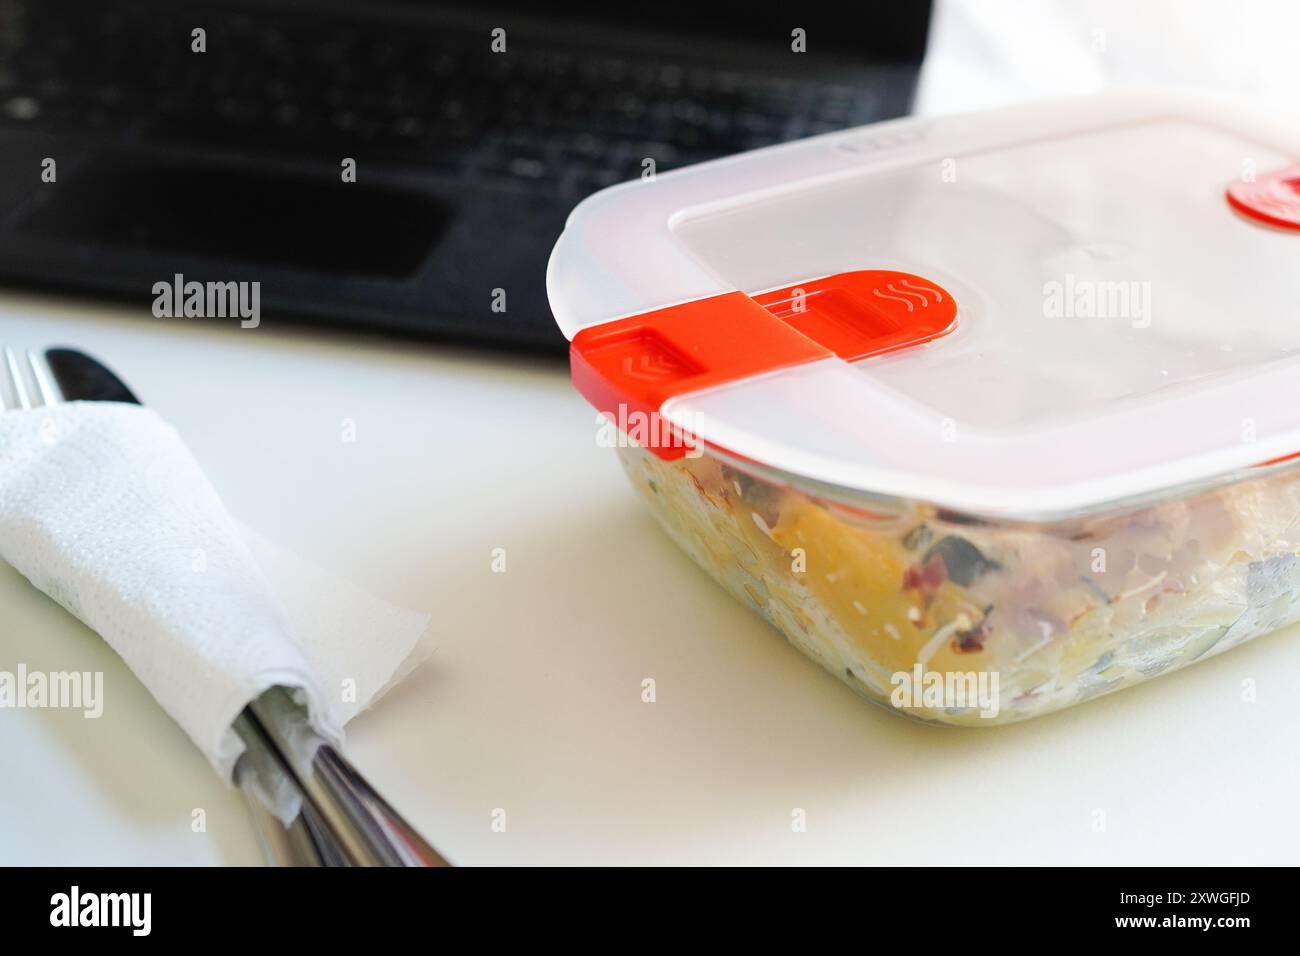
(18,387)
(344,821)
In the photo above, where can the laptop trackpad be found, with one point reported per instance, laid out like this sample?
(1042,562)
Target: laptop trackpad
(241,216)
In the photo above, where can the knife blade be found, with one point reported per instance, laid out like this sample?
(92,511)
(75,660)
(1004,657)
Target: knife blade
(83,379)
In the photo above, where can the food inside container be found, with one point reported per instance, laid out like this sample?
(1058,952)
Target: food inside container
(987,415)
(1060,612)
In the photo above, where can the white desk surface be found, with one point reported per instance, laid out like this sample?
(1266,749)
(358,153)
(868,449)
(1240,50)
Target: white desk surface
(532,702)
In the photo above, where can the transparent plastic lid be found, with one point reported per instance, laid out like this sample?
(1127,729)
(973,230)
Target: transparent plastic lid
(1122,326)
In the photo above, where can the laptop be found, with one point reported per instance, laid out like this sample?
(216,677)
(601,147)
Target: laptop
(394,167)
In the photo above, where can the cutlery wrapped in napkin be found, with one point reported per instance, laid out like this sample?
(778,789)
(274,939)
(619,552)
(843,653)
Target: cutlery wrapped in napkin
(104,509)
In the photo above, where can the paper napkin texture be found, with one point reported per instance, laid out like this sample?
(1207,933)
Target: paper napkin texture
(104,509)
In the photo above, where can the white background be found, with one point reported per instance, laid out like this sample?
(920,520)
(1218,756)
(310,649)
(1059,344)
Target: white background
(988,53)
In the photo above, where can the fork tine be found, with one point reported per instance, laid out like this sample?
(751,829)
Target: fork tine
(43,386)
(20,390)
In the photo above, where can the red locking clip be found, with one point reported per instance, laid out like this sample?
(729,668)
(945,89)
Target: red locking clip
(638,363)
(1273,198)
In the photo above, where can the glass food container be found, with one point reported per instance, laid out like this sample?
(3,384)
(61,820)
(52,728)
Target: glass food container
(988,415)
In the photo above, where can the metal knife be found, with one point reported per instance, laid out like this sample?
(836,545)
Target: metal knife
(345,818)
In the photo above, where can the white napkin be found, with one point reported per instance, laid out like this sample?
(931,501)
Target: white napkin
(104,509)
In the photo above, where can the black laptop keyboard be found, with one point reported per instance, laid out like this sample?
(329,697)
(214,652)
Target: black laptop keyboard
(565,120)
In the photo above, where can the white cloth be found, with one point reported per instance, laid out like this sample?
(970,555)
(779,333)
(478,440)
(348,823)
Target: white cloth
(988,53)
(104,509)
